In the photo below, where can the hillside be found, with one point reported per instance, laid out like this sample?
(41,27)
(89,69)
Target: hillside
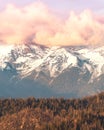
(52,114)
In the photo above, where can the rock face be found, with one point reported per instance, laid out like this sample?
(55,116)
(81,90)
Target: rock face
(34,70)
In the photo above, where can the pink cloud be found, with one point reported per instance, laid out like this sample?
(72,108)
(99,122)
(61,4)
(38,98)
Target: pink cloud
(36,23)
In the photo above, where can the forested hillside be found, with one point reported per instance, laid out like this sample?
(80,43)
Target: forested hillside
(52,114)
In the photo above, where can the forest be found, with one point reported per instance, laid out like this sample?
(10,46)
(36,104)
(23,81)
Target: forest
(52,113)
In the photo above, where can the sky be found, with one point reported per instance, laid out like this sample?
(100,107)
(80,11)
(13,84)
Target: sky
(52,22)
(62,5)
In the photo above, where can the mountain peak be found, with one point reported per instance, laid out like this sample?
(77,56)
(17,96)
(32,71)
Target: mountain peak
(61,67)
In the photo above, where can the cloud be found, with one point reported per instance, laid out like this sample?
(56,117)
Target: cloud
(36,23)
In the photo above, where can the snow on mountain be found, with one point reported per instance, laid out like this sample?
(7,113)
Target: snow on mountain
(73,70)
(58,60)
(28,58)
(96,59)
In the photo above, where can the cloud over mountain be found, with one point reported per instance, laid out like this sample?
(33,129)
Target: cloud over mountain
(37,23)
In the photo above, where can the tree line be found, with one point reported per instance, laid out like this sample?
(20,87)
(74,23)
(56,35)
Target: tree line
(52,113)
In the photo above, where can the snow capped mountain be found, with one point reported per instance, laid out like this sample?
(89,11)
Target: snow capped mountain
(27,58)
(65,69)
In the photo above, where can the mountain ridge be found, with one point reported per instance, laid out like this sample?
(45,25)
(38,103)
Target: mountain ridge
(57,67)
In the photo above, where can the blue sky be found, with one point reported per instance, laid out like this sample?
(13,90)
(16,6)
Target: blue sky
(62,6)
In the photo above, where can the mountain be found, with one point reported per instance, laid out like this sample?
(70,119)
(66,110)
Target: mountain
(35,70)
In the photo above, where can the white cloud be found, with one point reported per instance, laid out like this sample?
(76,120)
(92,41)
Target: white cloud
(37,23)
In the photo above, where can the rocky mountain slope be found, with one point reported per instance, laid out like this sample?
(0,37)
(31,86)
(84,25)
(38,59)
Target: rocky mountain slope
(31,69)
